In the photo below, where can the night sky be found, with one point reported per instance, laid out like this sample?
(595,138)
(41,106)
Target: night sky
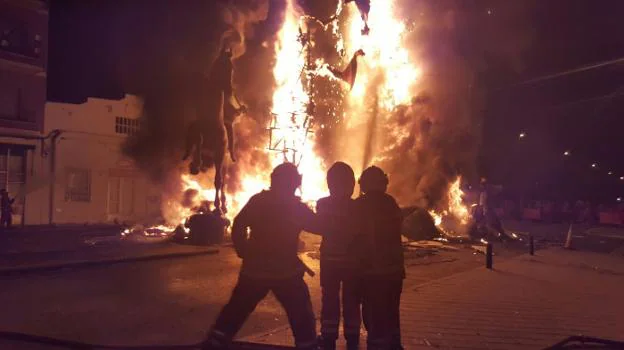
(93,44)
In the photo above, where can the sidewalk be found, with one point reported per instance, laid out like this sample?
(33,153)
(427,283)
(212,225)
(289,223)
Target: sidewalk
(51,238)
(529,302)
(43,250)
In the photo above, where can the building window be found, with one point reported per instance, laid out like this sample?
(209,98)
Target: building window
(78,186)
(127,126)
(16,38)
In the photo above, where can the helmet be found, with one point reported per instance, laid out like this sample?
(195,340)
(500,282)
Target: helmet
(373,179)
(341,179)
(286,177)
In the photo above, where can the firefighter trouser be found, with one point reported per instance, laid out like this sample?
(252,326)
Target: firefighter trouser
(380,308)
(292,293)
(332,277)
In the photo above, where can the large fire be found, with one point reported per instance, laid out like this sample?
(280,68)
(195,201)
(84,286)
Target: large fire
(293,122)
(456,210)
(387,78)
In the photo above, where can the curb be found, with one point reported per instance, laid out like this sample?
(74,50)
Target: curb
(91,263)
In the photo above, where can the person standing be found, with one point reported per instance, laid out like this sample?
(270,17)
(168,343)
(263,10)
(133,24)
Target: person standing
(381,257)
(338,260)
(6,209)
(275,218)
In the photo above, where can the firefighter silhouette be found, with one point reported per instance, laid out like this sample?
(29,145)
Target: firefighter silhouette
(275,219)
(381,258)
(339,260)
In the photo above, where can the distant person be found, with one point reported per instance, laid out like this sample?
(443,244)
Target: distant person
(339,260)
(6,209)
(275,218)
(381,258)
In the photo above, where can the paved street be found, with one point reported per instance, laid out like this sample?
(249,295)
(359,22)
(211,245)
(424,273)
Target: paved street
(159,302)
(529,302)
(173,301)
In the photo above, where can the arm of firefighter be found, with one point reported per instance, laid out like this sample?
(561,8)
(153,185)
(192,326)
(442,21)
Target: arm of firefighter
(312,222)
(320,221)
(239,230)
(239,237)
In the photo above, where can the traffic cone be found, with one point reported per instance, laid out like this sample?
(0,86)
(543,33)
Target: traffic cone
(568,242)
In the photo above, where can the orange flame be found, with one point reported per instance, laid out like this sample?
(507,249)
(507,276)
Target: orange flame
(290,101)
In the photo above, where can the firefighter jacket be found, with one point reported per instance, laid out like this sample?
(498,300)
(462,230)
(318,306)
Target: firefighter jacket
(269,250)
(379,237)
(338,216)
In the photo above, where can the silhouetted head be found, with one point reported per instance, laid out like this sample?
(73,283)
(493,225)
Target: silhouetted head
(341,180)
(204,207)
(285,178)
(373,179)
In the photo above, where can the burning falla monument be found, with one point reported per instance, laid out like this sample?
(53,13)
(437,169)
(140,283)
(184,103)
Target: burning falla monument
(401,107)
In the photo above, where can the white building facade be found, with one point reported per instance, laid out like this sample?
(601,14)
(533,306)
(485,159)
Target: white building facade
(89,179)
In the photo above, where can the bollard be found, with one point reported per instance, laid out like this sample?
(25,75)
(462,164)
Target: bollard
(531,245)
(568,242)
(488,255)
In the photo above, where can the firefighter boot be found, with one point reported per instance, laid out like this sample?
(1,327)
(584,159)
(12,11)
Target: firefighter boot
(215,340)
(353,342)
(327,343)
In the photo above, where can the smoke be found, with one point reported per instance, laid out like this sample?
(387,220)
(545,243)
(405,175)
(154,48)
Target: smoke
(241,16)
(169,75)
(438,136)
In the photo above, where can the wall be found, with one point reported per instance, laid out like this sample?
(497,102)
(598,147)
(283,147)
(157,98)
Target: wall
(23,57)
(89,151)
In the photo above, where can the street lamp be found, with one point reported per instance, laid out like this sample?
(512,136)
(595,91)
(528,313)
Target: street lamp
(610,172)
(594,165)
(522,135)
(566,153)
